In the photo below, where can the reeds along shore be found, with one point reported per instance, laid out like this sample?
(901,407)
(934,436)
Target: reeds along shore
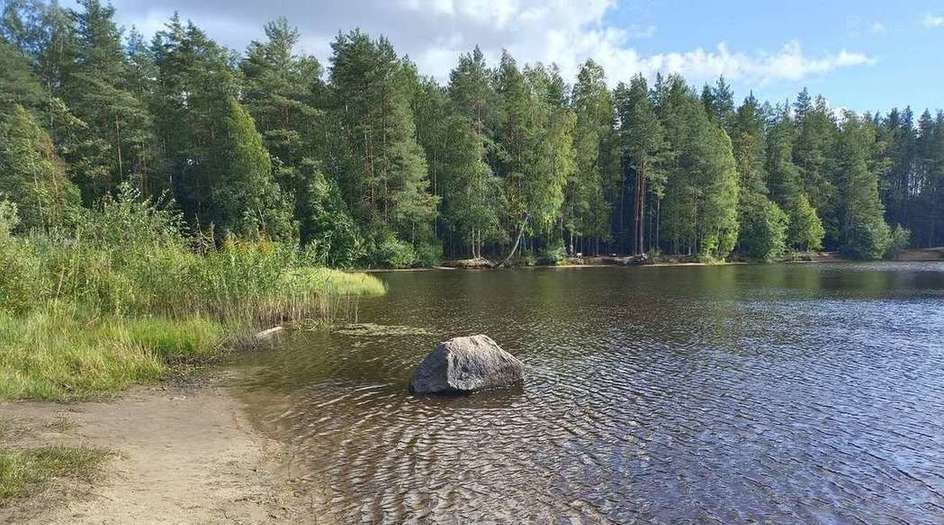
(123,293)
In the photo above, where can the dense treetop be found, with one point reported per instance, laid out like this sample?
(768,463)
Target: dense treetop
(365,162)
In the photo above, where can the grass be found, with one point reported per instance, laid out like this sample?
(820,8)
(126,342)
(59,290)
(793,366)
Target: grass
(24,471)
(125,293)
(55,354)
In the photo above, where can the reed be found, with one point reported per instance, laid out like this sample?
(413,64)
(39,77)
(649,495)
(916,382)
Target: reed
(126,292)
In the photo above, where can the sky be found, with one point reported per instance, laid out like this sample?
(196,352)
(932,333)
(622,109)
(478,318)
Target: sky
(864,55)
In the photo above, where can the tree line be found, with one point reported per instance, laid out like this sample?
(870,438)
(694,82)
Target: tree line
(371,163)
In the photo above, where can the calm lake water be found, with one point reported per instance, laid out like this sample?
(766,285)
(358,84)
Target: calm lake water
(734,394)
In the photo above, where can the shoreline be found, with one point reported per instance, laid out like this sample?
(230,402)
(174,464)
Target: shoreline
(910,255)
(177,453)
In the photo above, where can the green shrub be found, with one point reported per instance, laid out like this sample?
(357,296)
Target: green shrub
(900,240)
(428,253)
(553,254)
(867,240)
(763,228)
(21,282)
(806,230)
(393,253)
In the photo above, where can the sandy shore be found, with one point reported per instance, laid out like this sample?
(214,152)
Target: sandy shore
(181,454)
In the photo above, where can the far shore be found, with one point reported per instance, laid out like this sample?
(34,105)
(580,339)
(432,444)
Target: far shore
(910,255)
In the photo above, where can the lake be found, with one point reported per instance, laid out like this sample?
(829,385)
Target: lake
(807,393)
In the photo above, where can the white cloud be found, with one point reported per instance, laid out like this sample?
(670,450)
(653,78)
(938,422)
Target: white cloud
(932,21)
(568,33)
(435,32)
(878,28)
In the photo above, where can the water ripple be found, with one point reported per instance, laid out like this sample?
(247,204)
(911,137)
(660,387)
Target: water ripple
(785,394)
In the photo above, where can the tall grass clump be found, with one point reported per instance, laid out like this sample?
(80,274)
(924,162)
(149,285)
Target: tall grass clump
(125,290)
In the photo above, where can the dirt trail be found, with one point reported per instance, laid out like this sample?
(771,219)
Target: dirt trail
(182,455)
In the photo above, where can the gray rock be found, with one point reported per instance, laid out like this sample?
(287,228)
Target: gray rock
(464,364)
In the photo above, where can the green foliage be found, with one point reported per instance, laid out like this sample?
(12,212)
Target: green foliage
(865,233)
(900,240)
(586,209)
(643,144)
(18,84)
(328,232)
(9,218)
(763,228)
(390,252)
(376,165)
(244,197)
(382,169)
(867,241)
(702,184)
(814,153)
(31,174)
(553,254)
(112,137)
(175,339)
(111,303)
(806,230)
(21,279)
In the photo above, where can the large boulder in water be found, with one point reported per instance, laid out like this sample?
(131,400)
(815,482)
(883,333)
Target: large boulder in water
(464,364)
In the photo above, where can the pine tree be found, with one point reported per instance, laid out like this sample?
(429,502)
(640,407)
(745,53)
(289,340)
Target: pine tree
(719,103)
(865,234)
(382,169)
(196,82)
(472,195)
(645,150)
(702,186)
(31,174)
(750,149)
(18,84)
(243,197)
(813,153)
(282,92)
(586,207)
(115,141)
(897,131)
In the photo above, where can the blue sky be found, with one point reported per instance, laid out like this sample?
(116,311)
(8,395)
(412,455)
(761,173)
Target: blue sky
(862,55)
(903,39)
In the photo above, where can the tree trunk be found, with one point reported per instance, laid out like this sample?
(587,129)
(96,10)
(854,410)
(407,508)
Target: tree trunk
(514,248)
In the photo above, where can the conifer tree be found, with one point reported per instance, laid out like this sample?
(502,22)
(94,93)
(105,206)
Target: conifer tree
(865,234)
(243,196)
(645,149)
(382,169)
(31,175)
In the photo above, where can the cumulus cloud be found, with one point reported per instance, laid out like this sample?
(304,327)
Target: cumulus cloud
(434,32)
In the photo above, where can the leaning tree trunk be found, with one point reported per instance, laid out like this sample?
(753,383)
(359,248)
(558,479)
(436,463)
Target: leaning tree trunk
(524,222)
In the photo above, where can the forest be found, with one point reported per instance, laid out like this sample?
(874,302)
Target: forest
(366,162)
